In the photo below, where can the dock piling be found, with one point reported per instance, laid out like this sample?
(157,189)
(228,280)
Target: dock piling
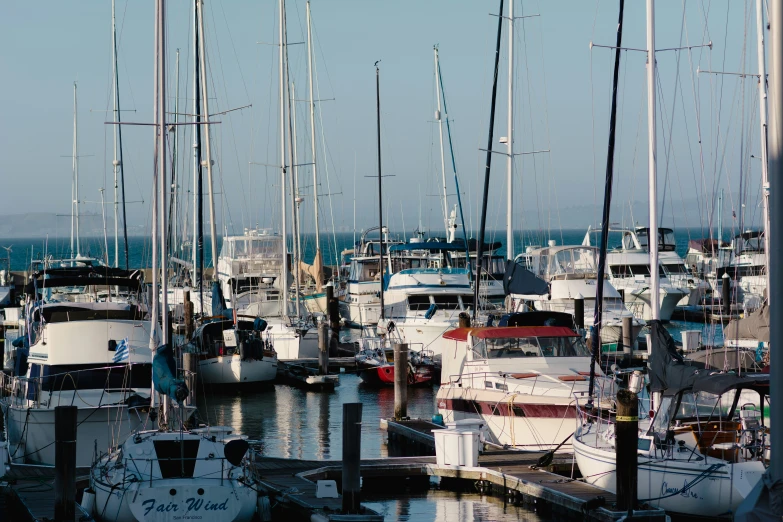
(400,380)
(628,338)
(626,445)
(65,463)
(352,445)
(187,306)
(579,311)
(725,294)
(323,348)
(333,312)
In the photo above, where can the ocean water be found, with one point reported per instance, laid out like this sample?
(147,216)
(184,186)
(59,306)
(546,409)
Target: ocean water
(140,252)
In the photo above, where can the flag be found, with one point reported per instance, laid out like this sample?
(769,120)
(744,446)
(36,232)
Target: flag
(122,352)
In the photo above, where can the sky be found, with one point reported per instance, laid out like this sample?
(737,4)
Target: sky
(707,124)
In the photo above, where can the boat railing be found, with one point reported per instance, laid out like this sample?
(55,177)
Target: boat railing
(181,460)
(31,388)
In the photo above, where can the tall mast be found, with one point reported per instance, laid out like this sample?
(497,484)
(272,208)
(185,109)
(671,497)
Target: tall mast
(763,134)
(75,204)
(380,180)
(595,337)
(115,161)
(439,119)
(172,232)
(318,258)
(487,169)
(155,287)
(161,109)
(283,231)
(292,179)
(652,240)
(119,171)
(208,159)
(295,164)
(510,138)
(198,224)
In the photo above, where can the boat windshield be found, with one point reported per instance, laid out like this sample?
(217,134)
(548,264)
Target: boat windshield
(516,347)
(666,241)
(257,247)
(575,262)
(634,270)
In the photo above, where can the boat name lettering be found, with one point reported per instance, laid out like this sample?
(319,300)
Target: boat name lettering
(684,491)
(193,504)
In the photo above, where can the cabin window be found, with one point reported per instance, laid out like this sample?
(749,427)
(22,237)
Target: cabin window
(634,271)
(677,268)
(563,347)
(447,301)
(512,348)
(418,302)
(479,349)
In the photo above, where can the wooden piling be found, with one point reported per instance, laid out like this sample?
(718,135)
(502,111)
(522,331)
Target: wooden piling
(464,320)
(352,445)
(628,337)
(190,367)
(579,311)
(323,349)
(333,313)
(188,312)
(626,444)
(725,294)
(65,463)
(400,380)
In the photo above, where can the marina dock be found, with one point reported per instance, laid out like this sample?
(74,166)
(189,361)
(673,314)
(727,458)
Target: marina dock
(27,494)
(511,475)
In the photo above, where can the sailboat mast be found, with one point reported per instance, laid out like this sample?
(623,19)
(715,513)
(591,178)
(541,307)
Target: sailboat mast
(161,106)
(292,179)
(198,224)
(595,336)
(380,182)
(652,240)
(119,171)
(439,120)
(154,287)
(487,170)
(510,139)
(172,232)
(283,231)
(318,257)
(763,134)
(295,165)
(208,159)
(75,215)
(115,161)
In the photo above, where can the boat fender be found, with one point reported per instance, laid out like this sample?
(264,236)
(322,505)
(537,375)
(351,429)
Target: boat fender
(264,508)
(431,311)
(88,501)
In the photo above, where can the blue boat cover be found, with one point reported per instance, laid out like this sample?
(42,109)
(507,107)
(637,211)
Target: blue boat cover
(164,369)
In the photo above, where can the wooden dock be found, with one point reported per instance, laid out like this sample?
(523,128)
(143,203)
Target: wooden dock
(28,493)
(512,475)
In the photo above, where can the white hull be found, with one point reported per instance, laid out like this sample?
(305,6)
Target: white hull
(289,343)
(230,369)
(687,486)
(361,314)
(638,302)
(31,430)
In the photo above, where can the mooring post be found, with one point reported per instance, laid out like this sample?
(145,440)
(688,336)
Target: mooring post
(352,449)
(333,312)
(400,380)
(187,306)
(628,338)
(579,311)
(725,293)
(626,444)
(323,348)
(189,367)
(65,463)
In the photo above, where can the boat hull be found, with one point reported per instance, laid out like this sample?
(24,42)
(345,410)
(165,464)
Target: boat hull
(384,375)
(704,488)
(232,370)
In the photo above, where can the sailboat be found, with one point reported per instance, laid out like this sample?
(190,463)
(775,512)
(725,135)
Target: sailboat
(172,474)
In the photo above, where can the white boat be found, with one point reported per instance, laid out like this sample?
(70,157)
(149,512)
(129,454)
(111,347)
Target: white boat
(703,452)
(522,381)
(92,354)
(572,272)
(234,354)
(200,474)
(421,304)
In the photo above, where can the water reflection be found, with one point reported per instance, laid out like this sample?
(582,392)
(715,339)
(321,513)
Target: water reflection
(444,506)
(292,423)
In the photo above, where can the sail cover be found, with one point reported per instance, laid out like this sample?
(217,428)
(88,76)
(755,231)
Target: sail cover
(669,372)
(521,281)
(753,326)
(164,369)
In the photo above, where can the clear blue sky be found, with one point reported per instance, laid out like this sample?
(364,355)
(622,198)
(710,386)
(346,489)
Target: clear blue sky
(562,93)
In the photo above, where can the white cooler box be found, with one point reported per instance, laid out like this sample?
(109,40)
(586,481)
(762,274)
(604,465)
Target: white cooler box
(457,447)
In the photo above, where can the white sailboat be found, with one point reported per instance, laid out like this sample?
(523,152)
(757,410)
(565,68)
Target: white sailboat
(172,475)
